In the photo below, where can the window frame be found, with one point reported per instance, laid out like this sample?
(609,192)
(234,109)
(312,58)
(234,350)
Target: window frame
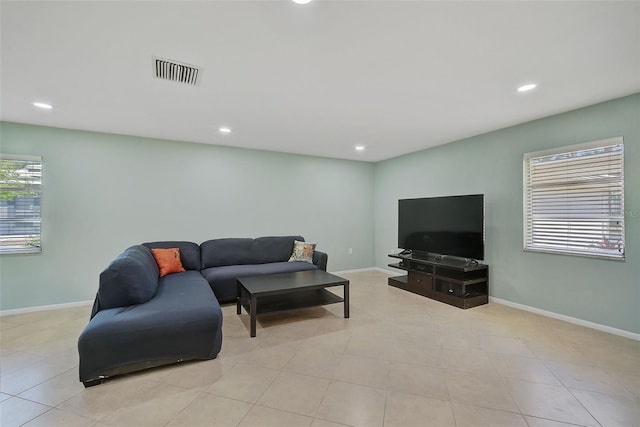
(527,242)
(26,248)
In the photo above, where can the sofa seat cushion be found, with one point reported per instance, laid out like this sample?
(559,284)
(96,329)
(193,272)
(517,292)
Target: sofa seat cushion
(275,249)
(223,279)
(182,321)
(131,278)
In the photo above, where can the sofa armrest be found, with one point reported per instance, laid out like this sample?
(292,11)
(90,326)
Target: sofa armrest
(320,259)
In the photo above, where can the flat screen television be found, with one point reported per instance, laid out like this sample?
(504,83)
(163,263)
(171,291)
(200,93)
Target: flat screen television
(452,226)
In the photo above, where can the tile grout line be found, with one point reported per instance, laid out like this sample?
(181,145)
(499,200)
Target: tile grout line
(536,339)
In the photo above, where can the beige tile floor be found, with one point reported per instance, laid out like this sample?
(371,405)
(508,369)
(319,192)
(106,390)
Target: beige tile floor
(400,360)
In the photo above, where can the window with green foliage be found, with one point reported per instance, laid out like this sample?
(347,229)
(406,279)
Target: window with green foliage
(574,200)
(20,193)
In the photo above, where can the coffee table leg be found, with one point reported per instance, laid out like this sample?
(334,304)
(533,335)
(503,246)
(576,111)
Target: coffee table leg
(254,309)
(239,292)
(346,300)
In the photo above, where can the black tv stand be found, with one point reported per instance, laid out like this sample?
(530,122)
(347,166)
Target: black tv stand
(454,281)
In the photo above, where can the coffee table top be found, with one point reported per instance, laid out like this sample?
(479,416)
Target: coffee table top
(297,280)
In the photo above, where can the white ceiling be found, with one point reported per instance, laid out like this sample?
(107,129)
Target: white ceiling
(318,79)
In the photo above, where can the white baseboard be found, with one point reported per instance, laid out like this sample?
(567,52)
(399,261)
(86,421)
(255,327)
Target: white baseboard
(575,321)
(368,269)
(83,303)
(45,307)
(586,323)
(390,272)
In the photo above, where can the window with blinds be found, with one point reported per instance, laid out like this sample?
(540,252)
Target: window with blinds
(574,200)
(20,193)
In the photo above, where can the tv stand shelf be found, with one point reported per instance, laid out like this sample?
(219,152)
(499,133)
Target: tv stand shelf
(451,281)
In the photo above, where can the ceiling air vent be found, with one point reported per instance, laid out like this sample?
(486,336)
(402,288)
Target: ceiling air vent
(168,69)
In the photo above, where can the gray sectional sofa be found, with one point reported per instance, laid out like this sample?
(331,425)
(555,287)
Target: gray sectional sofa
(141,320)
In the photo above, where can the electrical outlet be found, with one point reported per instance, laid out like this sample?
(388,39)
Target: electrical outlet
(350,251)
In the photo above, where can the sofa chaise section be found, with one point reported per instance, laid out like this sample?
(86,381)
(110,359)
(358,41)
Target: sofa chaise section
(181,321)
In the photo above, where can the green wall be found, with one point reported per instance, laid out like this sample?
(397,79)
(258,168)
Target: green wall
(600,291)
(105,192)
(102,193)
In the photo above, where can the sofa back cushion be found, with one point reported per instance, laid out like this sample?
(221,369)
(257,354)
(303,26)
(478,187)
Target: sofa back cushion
(240,251)
(275,249)
(189,252)
(233,251)
(132,278)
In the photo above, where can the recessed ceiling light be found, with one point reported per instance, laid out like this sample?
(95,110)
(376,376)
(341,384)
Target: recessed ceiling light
(43,105)
(224,130)
(359,147)
(527,87)
(302,1)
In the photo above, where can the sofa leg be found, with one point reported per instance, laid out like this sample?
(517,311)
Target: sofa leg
(91,383)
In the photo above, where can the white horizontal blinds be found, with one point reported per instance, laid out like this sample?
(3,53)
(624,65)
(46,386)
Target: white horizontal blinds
(574,200)
(20,195)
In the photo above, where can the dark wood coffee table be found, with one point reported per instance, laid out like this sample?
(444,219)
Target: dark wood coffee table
(288,291)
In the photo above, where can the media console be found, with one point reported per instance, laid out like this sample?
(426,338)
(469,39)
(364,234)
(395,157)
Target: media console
(451,281)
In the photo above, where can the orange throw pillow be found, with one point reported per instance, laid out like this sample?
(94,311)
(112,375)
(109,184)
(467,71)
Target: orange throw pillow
(168,260)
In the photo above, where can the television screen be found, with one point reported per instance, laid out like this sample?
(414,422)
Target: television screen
(451,225)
